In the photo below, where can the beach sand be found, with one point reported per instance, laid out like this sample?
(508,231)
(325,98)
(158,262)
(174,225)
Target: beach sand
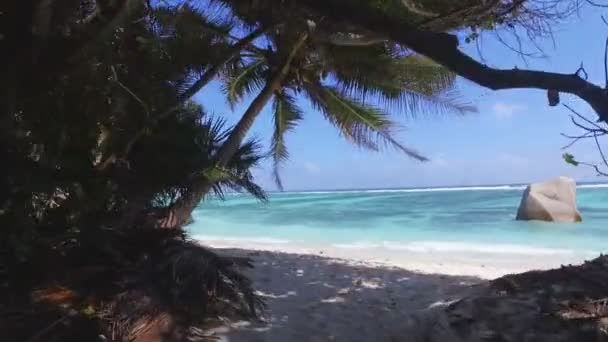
(318,296)
(453,258)
(314,298)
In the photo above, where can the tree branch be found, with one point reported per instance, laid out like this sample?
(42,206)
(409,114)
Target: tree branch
(214,70)
(443,48)
(575,139)
(412,7)
(599,148)
(346,39)
(597,169)
(594,131)
(597,128)
(129,91)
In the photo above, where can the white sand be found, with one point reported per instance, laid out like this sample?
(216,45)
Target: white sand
(481,261)
(313,297)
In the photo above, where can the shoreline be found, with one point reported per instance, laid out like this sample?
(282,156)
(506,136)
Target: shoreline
(422,258)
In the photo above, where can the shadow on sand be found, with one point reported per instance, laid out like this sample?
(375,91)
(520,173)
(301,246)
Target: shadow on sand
(312,298)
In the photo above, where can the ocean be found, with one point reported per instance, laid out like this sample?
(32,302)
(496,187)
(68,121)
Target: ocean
(466,219)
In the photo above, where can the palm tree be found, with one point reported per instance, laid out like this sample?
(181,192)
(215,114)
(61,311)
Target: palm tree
(353,87)
(164,166)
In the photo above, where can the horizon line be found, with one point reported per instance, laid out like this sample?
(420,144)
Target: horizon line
(430,187)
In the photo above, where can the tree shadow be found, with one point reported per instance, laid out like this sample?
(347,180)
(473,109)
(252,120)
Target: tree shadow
(313,298)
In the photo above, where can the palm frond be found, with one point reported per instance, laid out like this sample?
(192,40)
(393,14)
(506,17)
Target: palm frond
(411,84)
(187,36)
(239,183)
(192,145)
(213,131)
(365,125)
(245,183)
(425,87)
(196,280)
(189,18)
(245,80)
(422,75)
(412,103)
(237,175)
(286,117)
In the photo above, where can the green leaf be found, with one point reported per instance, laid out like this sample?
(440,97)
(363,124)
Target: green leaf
(215,174)
(244,81)
(365,125)
(412,84)
(286,117)
(569,159)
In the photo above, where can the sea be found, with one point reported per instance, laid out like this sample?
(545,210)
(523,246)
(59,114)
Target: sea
(458,219)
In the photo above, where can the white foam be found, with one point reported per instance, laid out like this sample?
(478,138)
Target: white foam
(413,247)
(357,245)
(241,240)
(457,247)
(436,189)
(371,191)
(470,188)
(592,186)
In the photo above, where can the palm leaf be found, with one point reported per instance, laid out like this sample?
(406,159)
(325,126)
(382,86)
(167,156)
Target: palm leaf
(190,19)
(236,176)
(239,176)
(190,37)
(365,125)
(422,75)
(286,117)
(425,87)
(243,81)
(411,84)
(246,183)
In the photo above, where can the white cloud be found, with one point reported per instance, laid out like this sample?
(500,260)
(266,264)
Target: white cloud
(512,160)
(312,168)
(506,111)
(439,161)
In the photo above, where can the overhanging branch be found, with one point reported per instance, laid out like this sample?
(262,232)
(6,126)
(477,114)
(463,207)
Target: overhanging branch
(443,48)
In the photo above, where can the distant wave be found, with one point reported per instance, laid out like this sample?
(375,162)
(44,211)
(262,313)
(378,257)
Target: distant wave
(438,189)
(463,188)
(592,186)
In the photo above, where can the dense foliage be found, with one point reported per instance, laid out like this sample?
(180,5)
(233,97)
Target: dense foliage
(89,152)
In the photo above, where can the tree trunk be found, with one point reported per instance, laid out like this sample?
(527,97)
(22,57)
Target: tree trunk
(181,211)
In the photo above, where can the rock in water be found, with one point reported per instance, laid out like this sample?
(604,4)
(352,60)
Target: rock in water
(554,201)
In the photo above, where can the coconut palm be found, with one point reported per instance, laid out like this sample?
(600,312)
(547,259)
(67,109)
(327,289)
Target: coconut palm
(184,150)
(356,88)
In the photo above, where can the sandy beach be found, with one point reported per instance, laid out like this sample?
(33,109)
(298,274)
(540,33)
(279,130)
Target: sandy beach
(313,298)
(321,296)
(457,259)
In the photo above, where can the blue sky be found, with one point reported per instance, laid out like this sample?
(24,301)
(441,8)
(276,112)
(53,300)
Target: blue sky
(514,137)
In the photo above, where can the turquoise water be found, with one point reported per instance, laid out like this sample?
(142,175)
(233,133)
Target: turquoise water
(457,218)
